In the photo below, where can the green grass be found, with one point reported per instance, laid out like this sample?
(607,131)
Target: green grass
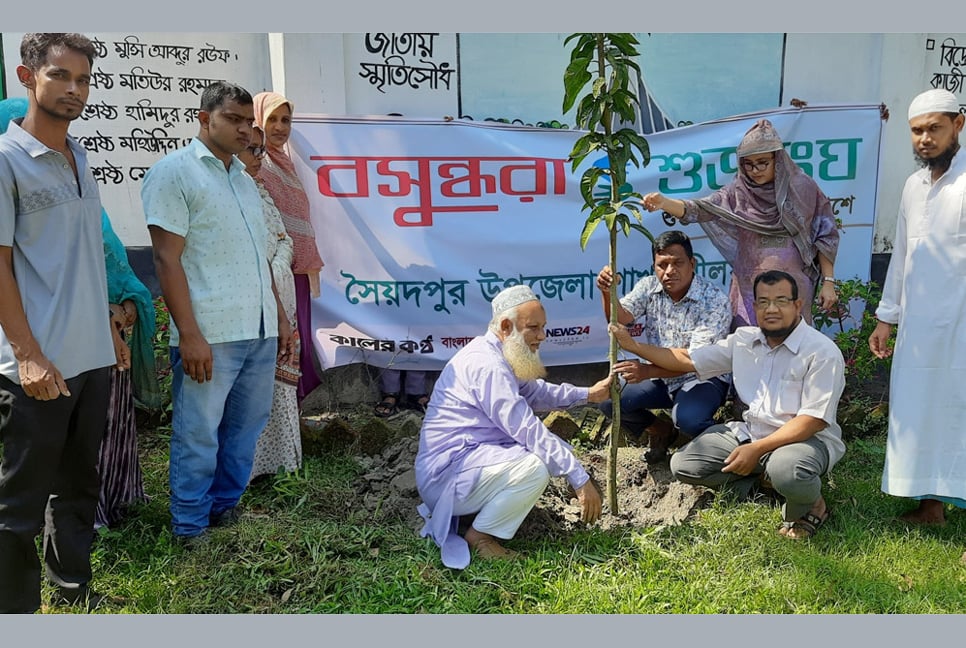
(300,548)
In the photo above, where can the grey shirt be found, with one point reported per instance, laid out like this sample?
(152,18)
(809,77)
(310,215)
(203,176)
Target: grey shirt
(54,229)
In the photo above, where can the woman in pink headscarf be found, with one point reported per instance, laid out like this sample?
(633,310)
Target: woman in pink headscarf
(772,216)
(273,114)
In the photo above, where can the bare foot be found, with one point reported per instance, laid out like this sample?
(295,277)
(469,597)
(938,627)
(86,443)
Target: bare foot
(930,511)
(488,547)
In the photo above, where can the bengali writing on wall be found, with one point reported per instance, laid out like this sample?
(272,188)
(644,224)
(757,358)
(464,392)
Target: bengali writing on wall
(404,59)
(951,66)
(144,101)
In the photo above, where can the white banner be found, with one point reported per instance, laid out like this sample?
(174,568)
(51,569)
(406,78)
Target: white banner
(421,223)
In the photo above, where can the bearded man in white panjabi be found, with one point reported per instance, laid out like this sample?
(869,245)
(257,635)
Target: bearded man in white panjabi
(483,450)
(925,295)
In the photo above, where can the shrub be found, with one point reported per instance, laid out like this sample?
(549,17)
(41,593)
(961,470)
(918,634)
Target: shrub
(852,335)
(864,407)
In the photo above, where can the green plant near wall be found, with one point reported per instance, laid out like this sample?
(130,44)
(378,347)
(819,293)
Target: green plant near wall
(851,332)
(863,410)
(604,63)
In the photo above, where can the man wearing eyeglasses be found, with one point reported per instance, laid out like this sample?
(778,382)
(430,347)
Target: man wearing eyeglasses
(792,377)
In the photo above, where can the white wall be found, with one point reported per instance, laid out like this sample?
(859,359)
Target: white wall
(871,68)
(309,70)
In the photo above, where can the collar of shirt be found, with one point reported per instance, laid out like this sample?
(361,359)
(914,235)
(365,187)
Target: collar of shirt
(35,148)
(957,166)
(794,340)
(201,151)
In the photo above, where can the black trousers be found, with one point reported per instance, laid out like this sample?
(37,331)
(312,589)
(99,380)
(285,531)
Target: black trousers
(49,482)
(6,402)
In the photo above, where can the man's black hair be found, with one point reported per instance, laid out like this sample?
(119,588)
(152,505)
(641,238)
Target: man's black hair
(669,238)
(771,277)
(35,47)
(217,93)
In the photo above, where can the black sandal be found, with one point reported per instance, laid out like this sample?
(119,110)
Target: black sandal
(418,403)
(388,406)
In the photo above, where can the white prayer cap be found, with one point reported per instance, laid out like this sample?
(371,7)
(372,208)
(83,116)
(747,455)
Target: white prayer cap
(510,297)
(934,101)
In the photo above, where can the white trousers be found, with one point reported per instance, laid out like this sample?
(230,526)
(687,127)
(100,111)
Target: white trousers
(504,495)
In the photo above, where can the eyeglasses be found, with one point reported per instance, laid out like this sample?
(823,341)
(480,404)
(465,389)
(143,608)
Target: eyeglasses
(780,302)
(748,165)
(258,152)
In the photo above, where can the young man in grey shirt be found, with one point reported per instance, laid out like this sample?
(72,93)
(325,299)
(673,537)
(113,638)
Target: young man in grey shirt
(55,339)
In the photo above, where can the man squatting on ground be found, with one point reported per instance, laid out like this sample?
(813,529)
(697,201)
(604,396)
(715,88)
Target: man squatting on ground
(791,376)
(677,309)
(482,449)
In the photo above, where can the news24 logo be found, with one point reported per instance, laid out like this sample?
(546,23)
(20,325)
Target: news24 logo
(569,331)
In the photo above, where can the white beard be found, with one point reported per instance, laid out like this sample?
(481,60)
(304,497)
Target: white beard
(526,364)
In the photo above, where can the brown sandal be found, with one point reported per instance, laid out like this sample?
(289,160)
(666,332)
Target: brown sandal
(807,525)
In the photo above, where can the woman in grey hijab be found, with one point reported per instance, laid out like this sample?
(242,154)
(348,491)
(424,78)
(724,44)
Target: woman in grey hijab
(772,216)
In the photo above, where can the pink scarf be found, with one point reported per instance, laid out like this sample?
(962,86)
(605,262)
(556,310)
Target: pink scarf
(280,179)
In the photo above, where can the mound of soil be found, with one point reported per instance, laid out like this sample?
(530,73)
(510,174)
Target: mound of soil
(647,496)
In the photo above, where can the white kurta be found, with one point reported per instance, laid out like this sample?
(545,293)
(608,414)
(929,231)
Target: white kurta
(925,293)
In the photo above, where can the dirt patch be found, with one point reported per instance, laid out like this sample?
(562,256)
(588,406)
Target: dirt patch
(647,494)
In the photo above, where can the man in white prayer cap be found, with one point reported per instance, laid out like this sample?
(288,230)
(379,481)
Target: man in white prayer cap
(483,450)
(925,295)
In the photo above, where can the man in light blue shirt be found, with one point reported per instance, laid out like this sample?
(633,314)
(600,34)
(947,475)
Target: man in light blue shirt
(204,214)
(55,339)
